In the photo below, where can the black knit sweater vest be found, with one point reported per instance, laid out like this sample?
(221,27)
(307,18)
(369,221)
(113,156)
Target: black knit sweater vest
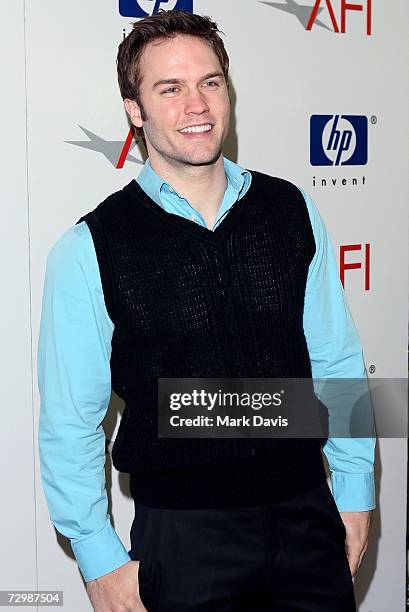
(187,302)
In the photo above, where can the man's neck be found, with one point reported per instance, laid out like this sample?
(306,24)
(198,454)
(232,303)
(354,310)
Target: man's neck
(202,186)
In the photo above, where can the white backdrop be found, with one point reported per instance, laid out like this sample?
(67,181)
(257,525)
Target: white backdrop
(63,129)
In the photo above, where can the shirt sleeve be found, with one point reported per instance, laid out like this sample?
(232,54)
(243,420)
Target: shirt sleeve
(335,352)
(74,382)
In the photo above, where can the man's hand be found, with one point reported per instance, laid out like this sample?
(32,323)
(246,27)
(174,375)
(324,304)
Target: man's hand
(117,591)
(357,536)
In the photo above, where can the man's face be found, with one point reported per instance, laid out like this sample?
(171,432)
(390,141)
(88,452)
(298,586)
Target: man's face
(182,87)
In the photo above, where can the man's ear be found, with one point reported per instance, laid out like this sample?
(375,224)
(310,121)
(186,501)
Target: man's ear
(134,112)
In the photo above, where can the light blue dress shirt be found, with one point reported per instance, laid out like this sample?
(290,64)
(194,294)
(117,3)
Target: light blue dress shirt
(74,376)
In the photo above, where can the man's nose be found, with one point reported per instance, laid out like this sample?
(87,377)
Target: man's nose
(196,103)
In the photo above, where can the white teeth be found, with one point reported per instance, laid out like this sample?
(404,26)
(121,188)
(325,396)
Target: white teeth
(197,129)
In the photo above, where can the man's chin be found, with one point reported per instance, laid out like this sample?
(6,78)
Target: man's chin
(202,159)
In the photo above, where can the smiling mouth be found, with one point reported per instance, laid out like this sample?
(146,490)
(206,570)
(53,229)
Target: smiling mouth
(197,129)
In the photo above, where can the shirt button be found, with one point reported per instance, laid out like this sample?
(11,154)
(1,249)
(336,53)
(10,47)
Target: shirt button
(170,189)
(192,217)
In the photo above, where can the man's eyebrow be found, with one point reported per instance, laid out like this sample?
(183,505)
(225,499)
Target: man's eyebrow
(210,75)
(168,82)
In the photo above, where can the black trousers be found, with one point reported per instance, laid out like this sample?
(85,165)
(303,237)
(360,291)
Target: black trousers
(287,556)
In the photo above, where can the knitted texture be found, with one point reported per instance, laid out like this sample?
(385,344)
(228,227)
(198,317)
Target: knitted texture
(186,302)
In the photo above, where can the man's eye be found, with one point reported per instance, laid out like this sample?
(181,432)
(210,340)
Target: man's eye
(170,90)
(211,83)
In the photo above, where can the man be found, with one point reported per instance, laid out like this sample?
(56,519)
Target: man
(199,268)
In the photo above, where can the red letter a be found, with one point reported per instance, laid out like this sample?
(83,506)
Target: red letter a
(315,11)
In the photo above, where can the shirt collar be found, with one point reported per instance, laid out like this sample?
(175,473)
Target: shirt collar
(238,177)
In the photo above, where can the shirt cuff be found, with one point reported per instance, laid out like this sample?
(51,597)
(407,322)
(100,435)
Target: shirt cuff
(100,553)
(353,492)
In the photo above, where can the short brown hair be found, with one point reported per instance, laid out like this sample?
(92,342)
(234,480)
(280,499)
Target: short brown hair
(164,24)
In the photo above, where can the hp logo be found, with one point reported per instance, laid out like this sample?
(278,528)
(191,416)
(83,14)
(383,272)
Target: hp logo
(338,140)
(143,8)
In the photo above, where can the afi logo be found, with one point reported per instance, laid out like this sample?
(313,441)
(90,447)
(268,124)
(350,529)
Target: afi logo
(311,16)
(115,151)
(338,140)
(143,8)
(345,6)
(364,263)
